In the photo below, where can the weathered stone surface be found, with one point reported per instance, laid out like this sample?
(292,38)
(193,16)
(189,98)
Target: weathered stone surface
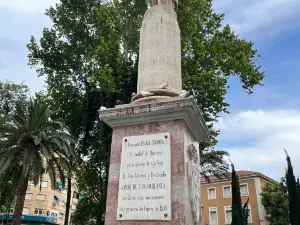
(180,138)
(159,110)
(170,3)
(160,51)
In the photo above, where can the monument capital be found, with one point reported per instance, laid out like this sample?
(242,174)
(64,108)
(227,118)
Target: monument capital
(171,3)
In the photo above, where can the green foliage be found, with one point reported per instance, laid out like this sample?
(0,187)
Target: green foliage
(245,210)
(275,201)
(89,58)
(293,193)
(87,212)
(8,189)
(11,94)
(30,139)
(239,212)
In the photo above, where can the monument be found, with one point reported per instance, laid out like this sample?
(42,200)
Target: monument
(154,174)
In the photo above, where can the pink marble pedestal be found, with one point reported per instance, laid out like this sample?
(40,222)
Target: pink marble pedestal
(179,117)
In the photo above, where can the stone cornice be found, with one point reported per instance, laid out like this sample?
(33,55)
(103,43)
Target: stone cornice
(156,111)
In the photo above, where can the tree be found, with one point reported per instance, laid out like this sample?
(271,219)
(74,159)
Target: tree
(31,139)
(68,168)
(293,193)
(85,213)
(274,198)
(85,67)
(11,94)
(7,191)
(239,212)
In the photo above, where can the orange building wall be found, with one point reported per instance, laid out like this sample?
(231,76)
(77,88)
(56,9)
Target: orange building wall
(221,202)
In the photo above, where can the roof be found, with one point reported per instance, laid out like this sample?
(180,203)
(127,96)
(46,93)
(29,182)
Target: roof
(240,173)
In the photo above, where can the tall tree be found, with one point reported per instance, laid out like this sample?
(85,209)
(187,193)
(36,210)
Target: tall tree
(89,58)
(11,93)
(274,198)
(293,194)
(31,139)
(239,212)
(8,190)
(68,166)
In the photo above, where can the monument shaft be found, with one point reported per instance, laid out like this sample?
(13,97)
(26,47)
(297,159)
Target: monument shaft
(160,52)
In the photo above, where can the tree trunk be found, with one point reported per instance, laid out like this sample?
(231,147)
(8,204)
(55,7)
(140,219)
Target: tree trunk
(21,192)
(67,213)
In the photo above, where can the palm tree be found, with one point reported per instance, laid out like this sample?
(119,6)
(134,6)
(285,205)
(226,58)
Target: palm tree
(29,143)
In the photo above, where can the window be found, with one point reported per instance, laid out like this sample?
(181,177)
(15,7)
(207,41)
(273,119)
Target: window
(213,216)
(28,196)
(44,184)
(38,211)
(249,214)
(53,214)
(40,197)
(227,191)
(211,193)
(228,214)
(76,195)
(56,200)
(25,211)
(61,215)
(244,189)
(11,211)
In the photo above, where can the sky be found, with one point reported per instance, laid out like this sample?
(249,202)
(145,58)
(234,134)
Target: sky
(259,126)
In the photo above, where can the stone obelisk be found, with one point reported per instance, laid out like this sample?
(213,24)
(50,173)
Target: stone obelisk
(154,166)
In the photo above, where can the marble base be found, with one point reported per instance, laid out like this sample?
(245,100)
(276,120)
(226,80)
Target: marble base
(179,117)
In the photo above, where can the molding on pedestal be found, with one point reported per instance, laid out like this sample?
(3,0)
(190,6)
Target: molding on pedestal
(158,111)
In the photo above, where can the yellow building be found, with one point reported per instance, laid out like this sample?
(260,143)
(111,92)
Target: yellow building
(48,202)
(216,198)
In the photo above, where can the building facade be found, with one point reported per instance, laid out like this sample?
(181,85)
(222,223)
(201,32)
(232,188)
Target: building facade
(216,198)
(48,202)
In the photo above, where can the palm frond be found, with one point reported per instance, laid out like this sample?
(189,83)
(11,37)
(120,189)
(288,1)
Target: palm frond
(60,171)
(26,160)
(6,160)
(20,116)
(33,138)
(37,169)
(51,172)
(46,150)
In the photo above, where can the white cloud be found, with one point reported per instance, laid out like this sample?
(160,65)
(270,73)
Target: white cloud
(27,6)
(246,16)
(256,139)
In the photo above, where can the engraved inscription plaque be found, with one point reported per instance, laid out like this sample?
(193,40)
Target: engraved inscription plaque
(145,178)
